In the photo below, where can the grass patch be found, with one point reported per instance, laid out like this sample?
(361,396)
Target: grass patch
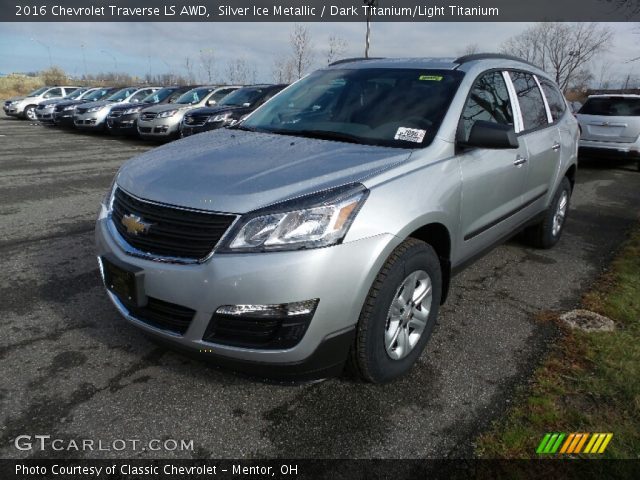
(590,382)
(14,85)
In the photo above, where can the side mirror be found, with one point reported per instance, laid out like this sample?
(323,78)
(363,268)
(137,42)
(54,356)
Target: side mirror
(491,135)
(209,103)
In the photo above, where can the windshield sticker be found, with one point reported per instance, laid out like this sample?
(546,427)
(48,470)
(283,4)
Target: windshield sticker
(432,78)
(410,134)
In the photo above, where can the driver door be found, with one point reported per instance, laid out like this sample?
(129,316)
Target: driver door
(492,179)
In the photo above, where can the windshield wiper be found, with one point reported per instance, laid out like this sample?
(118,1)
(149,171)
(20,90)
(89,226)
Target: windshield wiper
(322,135)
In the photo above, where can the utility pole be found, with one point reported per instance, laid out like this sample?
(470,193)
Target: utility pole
(48,50)
(368,3)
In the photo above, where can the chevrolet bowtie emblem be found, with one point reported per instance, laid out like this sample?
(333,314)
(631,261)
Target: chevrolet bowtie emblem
(134,224)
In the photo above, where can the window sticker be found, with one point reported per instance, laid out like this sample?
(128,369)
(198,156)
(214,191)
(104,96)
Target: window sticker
(414,135)
(432,78)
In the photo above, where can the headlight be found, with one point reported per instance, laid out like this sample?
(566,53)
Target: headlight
(132,110)
(223,117)
(70,107)
(168,113)
(317,220)
(95,109)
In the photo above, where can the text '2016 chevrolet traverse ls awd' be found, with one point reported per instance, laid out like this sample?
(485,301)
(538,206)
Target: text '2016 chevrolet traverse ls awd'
(323,230)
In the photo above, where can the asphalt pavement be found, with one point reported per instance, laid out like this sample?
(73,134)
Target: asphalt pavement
(73,369)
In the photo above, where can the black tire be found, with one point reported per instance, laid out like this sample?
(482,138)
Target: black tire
(25,113)
(368,358)
(542,235)
(638,165)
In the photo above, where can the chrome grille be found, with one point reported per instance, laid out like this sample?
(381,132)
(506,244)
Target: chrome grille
(173,232)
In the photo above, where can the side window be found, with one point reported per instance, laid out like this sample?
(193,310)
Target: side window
(175,95)
(488,101)
(534,114)
(54,92)
(70,90)
(555,99)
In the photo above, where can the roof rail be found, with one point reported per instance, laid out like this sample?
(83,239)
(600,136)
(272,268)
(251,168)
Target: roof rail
(355,59)
(486,56)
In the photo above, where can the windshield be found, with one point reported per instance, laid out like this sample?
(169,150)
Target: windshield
(120,95)
(391,107)
(194,96)
(612,106)
(97,94)
(158,96)
(76,93)
(37,92)
(242,96)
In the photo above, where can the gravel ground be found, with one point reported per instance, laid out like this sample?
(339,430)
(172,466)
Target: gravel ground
(73,369)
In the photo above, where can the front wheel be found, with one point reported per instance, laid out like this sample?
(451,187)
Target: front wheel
(399,313)
(30,113)
(547,233)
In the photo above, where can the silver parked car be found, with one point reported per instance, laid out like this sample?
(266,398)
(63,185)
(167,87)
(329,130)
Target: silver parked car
(162,122)
(325,228)
(25,107)
(610,127)
(45,109)
(93,115)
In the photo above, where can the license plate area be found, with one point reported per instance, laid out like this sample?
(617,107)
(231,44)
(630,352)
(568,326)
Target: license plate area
(125,281)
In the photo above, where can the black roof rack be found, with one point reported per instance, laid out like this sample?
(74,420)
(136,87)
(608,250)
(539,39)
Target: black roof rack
(486,56)
(355,59)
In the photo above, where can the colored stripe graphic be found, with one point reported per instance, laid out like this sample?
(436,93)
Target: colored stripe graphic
(574,443)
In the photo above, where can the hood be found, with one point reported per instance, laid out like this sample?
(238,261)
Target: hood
(165,107)
(236,171)
(14,99)
(127,106)
(216,110)
(51,101)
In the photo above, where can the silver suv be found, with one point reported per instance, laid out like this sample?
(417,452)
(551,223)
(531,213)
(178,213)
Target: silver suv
(25,107)
(162,122)
(93,115)
(324,229)
(610,127)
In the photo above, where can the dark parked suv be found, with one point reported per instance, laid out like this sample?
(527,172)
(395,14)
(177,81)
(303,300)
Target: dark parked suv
(63,113)
(123,119)
(229,110)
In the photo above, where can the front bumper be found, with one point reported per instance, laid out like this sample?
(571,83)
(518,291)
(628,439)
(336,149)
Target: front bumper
(613,150)
(187,130)
(123,124)
(45,115)
(12,110)
(160,128)
(91,120)
(64,118)
(339,276)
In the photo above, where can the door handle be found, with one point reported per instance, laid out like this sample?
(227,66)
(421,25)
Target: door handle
(555,147)
(519,161)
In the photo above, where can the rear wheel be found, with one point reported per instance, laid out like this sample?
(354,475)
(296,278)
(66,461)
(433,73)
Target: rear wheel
(547,233)
(399,314)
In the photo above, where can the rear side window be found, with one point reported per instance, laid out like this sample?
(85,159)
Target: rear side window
(611,106)
(54,92)
(488,101)
(555,99)
(534,115)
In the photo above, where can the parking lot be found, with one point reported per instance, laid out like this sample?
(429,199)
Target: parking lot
(72,368)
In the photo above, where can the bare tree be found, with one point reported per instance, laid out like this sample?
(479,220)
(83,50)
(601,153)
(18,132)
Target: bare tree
(336,48)
(470,49)
(562,49)
(282,69)
(54,76)
(207,59)
(239,72)
(301,51)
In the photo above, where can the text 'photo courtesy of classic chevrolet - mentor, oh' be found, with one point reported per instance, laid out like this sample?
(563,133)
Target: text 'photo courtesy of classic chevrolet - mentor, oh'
(322,230)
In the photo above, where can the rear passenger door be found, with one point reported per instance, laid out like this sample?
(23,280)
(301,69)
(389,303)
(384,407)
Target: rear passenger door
(540,136)
(492,179)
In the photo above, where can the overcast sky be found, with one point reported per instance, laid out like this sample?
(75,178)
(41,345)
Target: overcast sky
(162,47)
